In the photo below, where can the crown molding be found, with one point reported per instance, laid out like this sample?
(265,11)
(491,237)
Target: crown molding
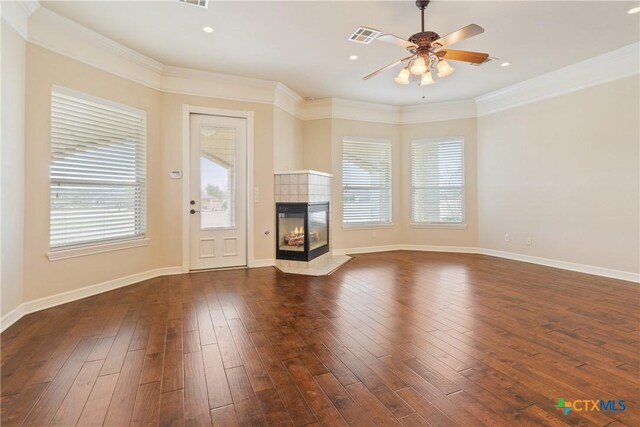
(613,65)
(317,109)
(54,32)
(383,113)
(17,13)
(438,112)
(288,100)
(365,111)
(217,85)
(45,28)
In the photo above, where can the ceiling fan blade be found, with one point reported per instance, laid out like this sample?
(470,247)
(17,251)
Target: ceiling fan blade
(390,38)
(457,36)
(463,55)
(375,73)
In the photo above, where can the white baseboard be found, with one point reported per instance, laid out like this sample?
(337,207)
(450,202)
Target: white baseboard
(76,294)
(367,249)
(267,262)
(565,265)
(12,317)
(432,248)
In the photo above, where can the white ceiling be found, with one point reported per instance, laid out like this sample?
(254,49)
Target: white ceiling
(304,45)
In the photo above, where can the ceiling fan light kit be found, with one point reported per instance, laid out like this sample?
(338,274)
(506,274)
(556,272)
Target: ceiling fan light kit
(403,77)
(426,79)
(444,69)
(428,51)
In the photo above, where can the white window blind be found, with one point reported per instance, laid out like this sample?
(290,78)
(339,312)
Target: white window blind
(437,180)
(98,172)
(366,181)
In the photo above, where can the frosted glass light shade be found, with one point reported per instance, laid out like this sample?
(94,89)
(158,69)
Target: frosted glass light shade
(418,67)
(444,69)
(427,79)
(403,77)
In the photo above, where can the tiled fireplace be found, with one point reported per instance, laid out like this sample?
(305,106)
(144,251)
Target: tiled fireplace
(302,222)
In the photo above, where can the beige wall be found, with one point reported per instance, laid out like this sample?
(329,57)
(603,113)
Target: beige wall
(564,171)
(323,151)
(418,235)
(13,144)
(287,141)
(171,200)
(316,149)
(41,276)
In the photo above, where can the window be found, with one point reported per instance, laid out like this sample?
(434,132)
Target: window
(366,182)
(437,181)
(98,174)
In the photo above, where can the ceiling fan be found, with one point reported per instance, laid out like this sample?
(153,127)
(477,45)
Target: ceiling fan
(429,51)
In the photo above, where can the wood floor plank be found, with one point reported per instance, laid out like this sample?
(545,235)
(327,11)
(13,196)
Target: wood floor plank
(244,399)
(46,407)
(95,410)
(172,409)
(410,338)
(217,385)
(124,395)
(72,405)
(196,399)
(224,416)
(322,407)
(172,371)
(15,408)
(298,409)
(152,368)
(352,413)
(375,410)
(147,406)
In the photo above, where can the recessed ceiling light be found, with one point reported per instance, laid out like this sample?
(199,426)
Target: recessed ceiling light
(207,29)
(634,10)
(353,57)
(505,64)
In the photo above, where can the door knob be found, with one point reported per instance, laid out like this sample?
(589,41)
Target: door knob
(192,211)
(193,202)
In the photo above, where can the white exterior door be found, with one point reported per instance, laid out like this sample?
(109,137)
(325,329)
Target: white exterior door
(218,219)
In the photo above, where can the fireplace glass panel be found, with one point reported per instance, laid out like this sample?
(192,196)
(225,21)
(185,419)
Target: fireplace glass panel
(291,230)
(318,235)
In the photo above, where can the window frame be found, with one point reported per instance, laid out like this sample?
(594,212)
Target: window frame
(443,225)
(77,249)
(368,225)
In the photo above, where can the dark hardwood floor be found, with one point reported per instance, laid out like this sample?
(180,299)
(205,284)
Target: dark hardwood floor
(396,338)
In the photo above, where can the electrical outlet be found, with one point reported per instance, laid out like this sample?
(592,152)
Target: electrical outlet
(528,241)
(507,238)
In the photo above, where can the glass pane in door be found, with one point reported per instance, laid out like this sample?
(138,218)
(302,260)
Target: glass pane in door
(217,177)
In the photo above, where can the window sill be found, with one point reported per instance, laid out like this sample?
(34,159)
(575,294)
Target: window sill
(56,255)
(442,226)
(365,226)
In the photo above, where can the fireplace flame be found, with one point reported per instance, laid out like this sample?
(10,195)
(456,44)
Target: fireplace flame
(298,230)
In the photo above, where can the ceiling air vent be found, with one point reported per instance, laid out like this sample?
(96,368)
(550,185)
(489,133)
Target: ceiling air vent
(364,35)
(199,3)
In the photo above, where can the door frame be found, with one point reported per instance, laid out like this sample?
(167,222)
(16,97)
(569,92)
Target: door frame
(187,110)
